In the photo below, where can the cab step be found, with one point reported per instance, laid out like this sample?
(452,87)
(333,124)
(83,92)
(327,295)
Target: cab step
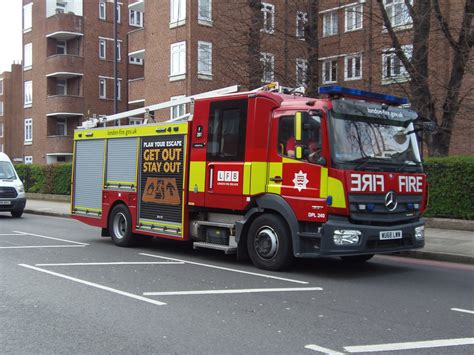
(225,248)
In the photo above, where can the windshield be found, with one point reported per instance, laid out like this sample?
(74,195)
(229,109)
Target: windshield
(6,170)
(363,141)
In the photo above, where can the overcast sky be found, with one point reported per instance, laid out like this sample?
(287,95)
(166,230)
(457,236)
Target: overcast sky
(10,33)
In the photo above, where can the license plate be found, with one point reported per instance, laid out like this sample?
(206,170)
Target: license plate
(5,202)
(387,235)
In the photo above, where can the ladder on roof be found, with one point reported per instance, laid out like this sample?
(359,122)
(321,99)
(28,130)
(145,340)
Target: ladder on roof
(94,122)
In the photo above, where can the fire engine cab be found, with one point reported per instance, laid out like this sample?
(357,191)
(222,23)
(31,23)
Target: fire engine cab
(267,174)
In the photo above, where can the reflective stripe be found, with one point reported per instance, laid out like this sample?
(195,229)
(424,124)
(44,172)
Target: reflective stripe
(197,176)
(336,190)
(259,178)
(275,169)
(248,174)
(323,183)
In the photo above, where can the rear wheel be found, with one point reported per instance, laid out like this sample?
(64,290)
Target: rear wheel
(356,259)
(269,243)
(120,226)
(17,213)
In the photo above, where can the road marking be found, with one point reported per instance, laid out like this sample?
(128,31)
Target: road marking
(426,262)
(322,350)
(221,292)
(92,284)
(117,263)
(43,236)
(227,269)
(43,246)
(4,235)
(409,345)
(462,310)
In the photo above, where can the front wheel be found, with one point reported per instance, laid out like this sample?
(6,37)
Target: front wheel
(356,259)
(269,243)
(17,213)
(120,226)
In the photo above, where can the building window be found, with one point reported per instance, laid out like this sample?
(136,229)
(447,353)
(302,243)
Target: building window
(301,21)
(205,10)
(61,87)
(204,58)
(1,86)
(268,17)
(28,159)
(135,18)
(354,17)
(178,60)
(61,127)
(393,68)
(135,121)
(28,130)
(118,53)
(398,13)
(268,62)
(353,67)
(61,47)
(329,71)
(102,89)
(177,12)
(119,89)
(135,60)
(102,10)
(28,93)
(27,17)
(178,110)
(301,70)
(102,49)
(1,130)
(28,56)
(330,22)
(1,108)
(119,13)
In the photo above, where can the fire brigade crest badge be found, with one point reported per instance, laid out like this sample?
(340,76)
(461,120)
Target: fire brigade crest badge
(300,181)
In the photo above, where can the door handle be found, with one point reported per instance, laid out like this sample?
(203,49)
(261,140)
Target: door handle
(276,179)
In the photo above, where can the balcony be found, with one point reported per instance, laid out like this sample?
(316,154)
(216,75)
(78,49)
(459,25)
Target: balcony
(64,105)
(136,43)
(64,66)
(64,26)
(136,91)
(137,5)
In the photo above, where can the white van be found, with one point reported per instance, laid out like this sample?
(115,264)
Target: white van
(12,191)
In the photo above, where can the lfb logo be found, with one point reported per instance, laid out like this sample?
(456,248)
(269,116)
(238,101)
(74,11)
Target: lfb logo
(228,176)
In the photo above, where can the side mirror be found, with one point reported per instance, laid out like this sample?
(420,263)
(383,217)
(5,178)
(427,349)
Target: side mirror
(321,161)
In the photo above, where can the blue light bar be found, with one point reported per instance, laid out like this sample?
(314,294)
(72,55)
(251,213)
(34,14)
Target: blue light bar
(362,95)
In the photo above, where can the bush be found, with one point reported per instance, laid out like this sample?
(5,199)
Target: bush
(451,187)
(46,179)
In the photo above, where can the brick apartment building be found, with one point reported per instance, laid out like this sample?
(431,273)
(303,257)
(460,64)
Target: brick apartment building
(171,48)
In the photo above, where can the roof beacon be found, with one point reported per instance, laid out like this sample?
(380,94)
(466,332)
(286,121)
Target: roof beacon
(362,95)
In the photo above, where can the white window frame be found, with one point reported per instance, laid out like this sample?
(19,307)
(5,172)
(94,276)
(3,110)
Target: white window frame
(102,43)
(204,53)
(177,13)
(28,56)
(27,17)
(392,14)
(119,13)
(301,68)
(102,10)
(28,125)
(390,55)
(119,89)
(268,62)
(64,121)
(102,85)
(119,51)
(1,130)
(178,110)
(135,60)
(350,66)
(28,93)
(135,18)
(28,159)
(205,6)
(1,86)
(1,108)
(325,79)
(301,20)
(132,121)
(268,23)
(354,11)
(331,22)
(61,44)
(177,68)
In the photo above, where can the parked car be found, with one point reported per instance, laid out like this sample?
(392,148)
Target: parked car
(12,191)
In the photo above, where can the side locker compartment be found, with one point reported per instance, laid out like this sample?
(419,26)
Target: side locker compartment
(88,177)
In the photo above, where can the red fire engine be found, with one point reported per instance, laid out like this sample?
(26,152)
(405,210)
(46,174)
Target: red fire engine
(267,174)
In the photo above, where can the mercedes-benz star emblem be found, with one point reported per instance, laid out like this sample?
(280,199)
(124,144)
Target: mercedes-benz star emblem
(391,202)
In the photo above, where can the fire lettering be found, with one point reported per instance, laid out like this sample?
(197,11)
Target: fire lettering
(367,182)
(410,183)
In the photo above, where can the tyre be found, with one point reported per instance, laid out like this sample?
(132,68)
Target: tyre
(356,259)
(17,213)
(269,243)
(120,226)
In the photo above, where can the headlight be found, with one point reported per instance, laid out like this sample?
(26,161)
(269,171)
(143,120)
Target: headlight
(20,188)
(346,237)
(420,233)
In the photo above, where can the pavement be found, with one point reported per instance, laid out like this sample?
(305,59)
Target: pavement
(442,241)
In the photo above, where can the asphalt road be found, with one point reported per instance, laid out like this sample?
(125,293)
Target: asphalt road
(63,290)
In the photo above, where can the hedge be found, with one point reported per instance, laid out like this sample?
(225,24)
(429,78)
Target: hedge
(450,179)
(47,179)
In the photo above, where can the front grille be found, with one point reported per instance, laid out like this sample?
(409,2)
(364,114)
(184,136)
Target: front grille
(8,192)
(390,244)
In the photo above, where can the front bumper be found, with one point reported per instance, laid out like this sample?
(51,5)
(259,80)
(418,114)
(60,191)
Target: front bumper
(369,242)
(15,204)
